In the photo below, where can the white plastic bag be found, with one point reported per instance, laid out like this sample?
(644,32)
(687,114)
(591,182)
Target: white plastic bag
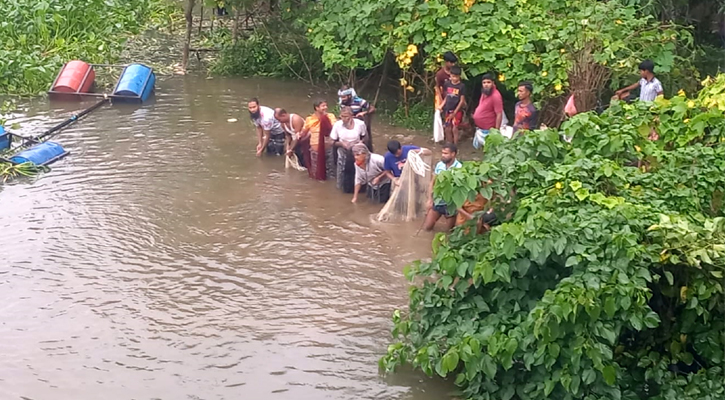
(438,127)
(504,120)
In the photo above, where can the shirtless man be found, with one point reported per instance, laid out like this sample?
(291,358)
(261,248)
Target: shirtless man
(292,125)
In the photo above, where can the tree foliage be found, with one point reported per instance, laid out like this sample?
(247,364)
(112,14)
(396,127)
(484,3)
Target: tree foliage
(531,40)
(605,278)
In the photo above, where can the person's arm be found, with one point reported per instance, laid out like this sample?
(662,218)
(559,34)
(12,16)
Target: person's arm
(440,100)
(355,192)
(660,89)
(260,139)
(461,103)
(498,109)
(628,88)
(423,151)
(430,191)
(265,142)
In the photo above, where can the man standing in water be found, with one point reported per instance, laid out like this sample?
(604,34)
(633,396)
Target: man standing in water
(489,112)
(270,134)
(395,159)
(292,124)
(438,208)
(526,112)
(361,110)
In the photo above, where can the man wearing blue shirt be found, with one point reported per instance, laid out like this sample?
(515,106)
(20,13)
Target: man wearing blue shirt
(396,156)
(438,208)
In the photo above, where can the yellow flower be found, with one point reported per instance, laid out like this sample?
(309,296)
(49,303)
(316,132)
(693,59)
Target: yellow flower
(687,120)
(410,54)
(681,93)
(501,77)
(406,61)
(403,82)
(559,185)
(288,10)
(309,30)
(544,74)
(706,81)
(558,87)
(444,34)
(638,148)
(690,104)
(562,51)
(618,22)
(410,88)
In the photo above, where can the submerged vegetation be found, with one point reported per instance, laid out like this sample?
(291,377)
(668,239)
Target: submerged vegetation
(39,36)
(604,279)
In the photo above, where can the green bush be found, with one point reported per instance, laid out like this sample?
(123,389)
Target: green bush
(604,279)
(39,36)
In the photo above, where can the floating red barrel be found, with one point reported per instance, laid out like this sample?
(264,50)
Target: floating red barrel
(75,77)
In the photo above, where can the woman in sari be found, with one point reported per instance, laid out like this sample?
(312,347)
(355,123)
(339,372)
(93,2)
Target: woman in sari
(346,133)
(316,132)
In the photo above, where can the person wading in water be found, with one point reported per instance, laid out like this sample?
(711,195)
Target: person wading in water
(361,110)
(270,134)
(346,133)
(292,125)
(317,129)
(438,208)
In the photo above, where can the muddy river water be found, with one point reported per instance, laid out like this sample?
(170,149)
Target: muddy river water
(163,260)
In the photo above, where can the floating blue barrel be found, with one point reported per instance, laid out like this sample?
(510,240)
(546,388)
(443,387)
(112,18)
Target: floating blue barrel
(4,139)
(40,154)
(136,82)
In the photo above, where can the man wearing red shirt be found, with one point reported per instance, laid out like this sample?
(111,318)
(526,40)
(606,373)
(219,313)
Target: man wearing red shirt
(489,113)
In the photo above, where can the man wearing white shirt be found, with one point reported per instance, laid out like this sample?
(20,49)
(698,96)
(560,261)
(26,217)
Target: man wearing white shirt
(270,134)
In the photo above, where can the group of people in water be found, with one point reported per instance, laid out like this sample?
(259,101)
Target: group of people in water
(342,149)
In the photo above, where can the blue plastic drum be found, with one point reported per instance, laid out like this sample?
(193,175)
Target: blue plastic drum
(136,81)
(40,154)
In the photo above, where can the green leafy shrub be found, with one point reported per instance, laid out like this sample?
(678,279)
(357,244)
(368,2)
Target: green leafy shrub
(604,279)
(39,36)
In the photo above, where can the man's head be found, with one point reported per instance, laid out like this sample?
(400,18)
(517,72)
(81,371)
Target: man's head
(487,84)
(281,115)
(449,60)
(524,90)
(346,115)
(455,74)
(395,148)
(361,153)
(449,152)
(320,106)
(253,107)
(647,69)
(345,94)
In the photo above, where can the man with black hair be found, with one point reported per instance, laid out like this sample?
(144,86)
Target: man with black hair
(270,134)
(525,111)
(438,208)
(650,87)
(395,159)
(443,74)
(489,112)
(455,100)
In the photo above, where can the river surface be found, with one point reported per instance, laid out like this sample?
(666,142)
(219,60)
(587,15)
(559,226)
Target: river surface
(163,260)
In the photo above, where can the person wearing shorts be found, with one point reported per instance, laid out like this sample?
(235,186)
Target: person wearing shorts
(453,104)
(438,208)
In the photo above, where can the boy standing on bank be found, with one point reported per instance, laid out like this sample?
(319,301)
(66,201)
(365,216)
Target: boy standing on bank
(454,101)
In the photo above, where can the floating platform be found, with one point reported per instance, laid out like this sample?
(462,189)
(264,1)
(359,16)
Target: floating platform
(76,80)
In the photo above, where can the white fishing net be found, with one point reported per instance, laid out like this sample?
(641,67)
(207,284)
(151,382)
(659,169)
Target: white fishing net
(293,162)
(410,197)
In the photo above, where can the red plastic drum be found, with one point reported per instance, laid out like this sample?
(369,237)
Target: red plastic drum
(71,77)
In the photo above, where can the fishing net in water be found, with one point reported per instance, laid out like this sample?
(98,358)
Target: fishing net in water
(410,198)
(293,162)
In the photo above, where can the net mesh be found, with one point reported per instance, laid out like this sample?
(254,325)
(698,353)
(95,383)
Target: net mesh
(293,162)
(410,197)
